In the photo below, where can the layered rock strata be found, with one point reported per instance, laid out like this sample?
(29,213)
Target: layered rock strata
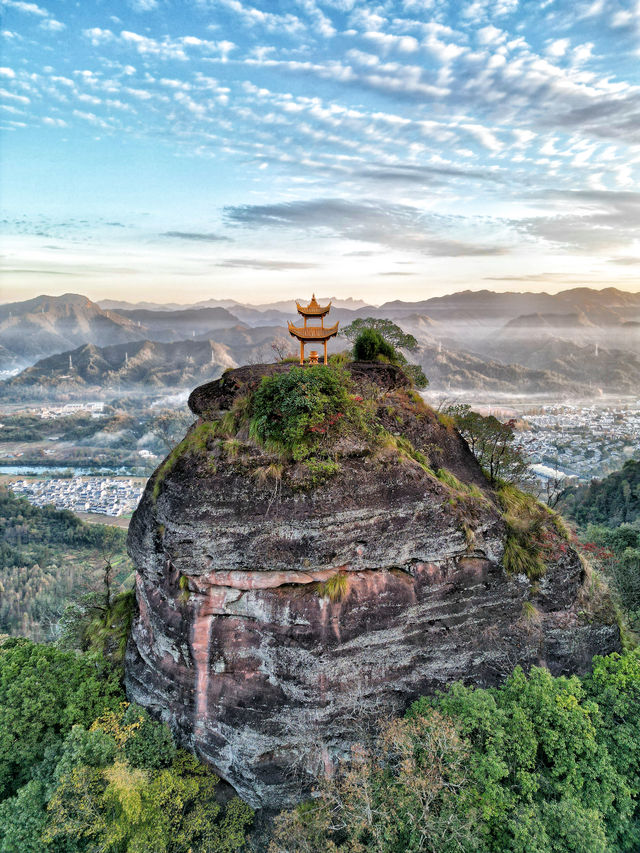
(267,666)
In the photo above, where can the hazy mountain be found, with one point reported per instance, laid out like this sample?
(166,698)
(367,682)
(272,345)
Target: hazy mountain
(49,324)
(182,324)
(511,342)
(578,320)
(138,365)
(601,307)
(460,371)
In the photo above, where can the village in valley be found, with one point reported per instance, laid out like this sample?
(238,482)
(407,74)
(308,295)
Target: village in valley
(112,496)
(580,442)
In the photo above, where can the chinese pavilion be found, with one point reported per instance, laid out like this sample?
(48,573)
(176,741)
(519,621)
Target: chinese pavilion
(313,334)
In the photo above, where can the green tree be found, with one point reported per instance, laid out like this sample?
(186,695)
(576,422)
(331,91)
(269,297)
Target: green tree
(373,337)
(43,693)
(370,346)
(538,764)
(387,329)
(493,443)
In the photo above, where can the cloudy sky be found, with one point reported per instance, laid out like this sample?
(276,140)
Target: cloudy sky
(184,149)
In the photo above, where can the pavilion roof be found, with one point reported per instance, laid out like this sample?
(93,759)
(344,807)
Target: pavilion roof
(313,309)
(312,333)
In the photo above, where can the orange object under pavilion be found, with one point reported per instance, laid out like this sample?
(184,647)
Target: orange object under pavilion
(313,334)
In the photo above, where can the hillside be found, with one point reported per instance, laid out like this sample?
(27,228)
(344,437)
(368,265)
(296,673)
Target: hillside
(49,557)
(182,324)
(139,365)
(611,502)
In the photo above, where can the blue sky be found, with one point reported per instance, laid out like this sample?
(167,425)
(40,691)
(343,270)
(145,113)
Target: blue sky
(212,148)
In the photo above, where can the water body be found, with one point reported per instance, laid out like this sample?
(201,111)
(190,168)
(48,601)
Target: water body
(40,470)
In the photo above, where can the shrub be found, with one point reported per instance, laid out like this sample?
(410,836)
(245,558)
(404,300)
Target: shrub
(301,411)
(370,346)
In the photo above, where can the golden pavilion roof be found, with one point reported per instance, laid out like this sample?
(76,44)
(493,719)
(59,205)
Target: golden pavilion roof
(313,333)
(313,309)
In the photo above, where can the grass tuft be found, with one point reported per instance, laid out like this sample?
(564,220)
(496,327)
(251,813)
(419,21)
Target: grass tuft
(335,588)
(522,559)
(530,613)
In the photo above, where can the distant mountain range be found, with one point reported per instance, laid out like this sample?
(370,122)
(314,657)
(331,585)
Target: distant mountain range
(577,342)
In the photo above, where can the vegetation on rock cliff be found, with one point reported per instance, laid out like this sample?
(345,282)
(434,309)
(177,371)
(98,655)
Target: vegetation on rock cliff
(540,763)
(303,410)
(492,442)
(381,340)
(535,534)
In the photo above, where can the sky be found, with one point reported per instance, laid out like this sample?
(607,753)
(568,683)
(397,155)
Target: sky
(177,151)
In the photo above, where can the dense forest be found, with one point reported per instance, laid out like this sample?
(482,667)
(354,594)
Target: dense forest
(538,764)
(612,501)
(82,770)
(607,515)
(49,557)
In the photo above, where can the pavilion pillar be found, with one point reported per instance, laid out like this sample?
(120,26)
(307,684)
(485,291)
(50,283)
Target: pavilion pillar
(301,352)
(325,352)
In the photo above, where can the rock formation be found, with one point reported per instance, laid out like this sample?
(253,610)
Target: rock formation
(281,605)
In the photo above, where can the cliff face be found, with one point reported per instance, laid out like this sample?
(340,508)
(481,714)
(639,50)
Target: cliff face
(280,608)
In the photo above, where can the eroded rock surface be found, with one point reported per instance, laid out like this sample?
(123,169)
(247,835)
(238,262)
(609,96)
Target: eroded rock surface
(238,648)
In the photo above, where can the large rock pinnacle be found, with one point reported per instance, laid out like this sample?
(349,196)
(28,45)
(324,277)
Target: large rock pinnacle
(280,606)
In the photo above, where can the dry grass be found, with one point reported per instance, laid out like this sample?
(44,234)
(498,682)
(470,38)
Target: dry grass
(522,558)
(273,471)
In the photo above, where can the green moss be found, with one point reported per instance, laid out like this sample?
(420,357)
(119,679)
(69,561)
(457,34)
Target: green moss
(335,588)
(185,592)
(450,479)
(320,470)
(196,442)
(406,449)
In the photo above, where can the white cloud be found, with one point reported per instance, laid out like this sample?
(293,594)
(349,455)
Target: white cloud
(11,96)
(387,42)
(7,72)
(491,35)
(143,5)
(557,48)
(28,8)
(52,25)
(484,136)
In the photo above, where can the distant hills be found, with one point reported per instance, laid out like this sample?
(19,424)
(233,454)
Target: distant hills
(132,366)
(577,342)
(49,324)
